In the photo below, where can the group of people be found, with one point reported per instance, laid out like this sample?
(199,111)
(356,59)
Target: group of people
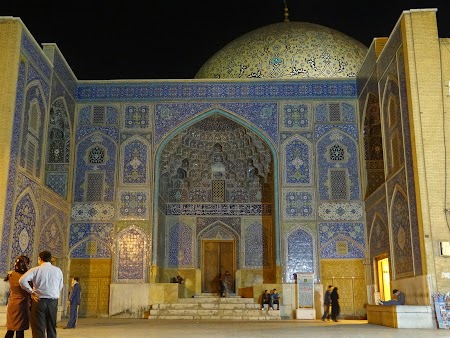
(33,298)
(331,307)
(270,298)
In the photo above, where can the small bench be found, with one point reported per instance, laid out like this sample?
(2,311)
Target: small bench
(401,316)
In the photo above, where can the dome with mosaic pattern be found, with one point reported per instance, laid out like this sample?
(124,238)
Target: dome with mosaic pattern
(287,50)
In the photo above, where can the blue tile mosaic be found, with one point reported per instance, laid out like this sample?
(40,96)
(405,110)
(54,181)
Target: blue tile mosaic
(131,259)
(180,246)
(12,171)
(154,91)
(256,243)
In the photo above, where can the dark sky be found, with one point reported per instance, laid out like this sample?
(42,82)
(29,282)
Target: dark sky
(173,39)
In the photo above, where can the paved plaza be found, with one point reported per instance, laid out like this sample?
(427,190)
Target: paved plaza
(131,328)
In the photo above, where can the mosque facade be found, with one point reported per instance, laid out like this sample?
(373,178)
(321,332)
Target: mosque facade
(295,149)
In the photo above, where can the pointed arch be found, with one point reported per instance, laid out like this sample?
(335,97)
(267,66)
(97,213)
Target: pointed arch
(25,225)
(131,251)
(338,174)
(135,161)
(218,230)
(297,157)
(86,247)
(175,132)
(378,240)
(51,237)
(300,252)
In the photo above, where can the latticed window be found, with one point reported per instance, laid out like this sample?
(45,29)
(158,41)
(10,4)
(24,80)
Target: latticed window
(33,125)
(337,153)
(335,112)
(31,154)
(338,184)
(98,117)
(218,191)
(392,112)
(395,151)
(91,248)
(96,155)
(94,187)
(341,247)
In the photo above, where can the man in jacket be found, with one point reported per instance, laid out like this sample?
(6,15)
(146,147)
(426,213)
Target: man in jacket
(327,303)
(74,300)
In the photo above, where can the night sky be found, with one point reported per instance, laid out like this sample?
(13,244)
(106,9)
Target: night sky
(173,39)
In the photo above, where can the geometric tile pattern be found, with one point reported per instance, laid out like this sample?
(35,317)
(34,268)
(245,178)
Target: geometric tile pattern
(401,237)
(92,212)
(297,161)
(131,255)
(133,204)
(298,204)
(332,233)
(325,164)
(180,246)
(300,253)
(296,116)
(256,241)
(135,164)
(57,182)
(24,227)
(136,117)
(340,211)
(91,240)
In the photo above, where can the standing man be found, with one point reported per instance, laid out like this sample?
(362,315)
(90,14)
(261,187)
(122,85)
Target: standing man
(47,281)
(74,300)
(327,303)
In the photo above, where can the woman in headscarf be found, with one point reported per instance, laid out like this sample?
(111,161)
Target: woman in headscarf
(19,302)
(335,308)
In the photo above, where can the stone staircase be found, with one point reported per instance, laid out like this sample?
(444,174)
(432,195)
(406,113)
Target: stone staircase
(212,307)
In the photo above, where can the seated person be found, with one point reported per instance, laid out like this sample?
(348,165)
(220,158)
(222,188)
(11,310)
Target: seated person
(275,297)
(399,300)
(266,299)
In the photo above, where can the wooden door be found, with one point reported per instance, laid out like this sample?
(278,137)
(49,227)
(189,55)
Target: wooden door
(95,277)
(217,257)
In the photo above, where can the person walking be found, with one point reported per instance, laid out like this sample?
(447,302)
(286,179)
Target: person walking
(18,309)
(335,308)
(327,303)
(47,281)
(74,300)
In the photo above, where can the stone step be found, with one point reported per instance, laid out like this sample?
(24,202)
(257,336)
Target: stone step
(209,307)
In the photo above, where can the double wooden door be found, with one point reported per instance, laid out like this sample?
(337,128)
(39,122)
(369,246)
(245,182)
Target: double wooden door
(218,256)
(95,278)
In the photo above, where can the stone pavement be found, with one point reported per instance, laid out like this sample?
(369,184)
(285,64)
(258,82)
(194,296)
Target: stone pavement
(131,328)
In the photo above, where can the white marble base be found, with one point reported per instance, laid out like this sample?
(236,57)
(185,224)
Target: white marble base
(415,317)
(128,300)
(305,313)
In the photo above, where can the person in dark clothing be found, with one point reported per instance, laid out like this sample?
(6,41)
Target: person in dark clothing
(19,303)
(399,300)
(266,298)
(74,302)
(335,308)
(275,299)
(221,285)
(226,280)
(327,303)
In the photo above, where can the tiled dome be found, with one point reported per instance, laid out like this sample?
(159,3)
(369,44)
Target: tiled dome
(287,50)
